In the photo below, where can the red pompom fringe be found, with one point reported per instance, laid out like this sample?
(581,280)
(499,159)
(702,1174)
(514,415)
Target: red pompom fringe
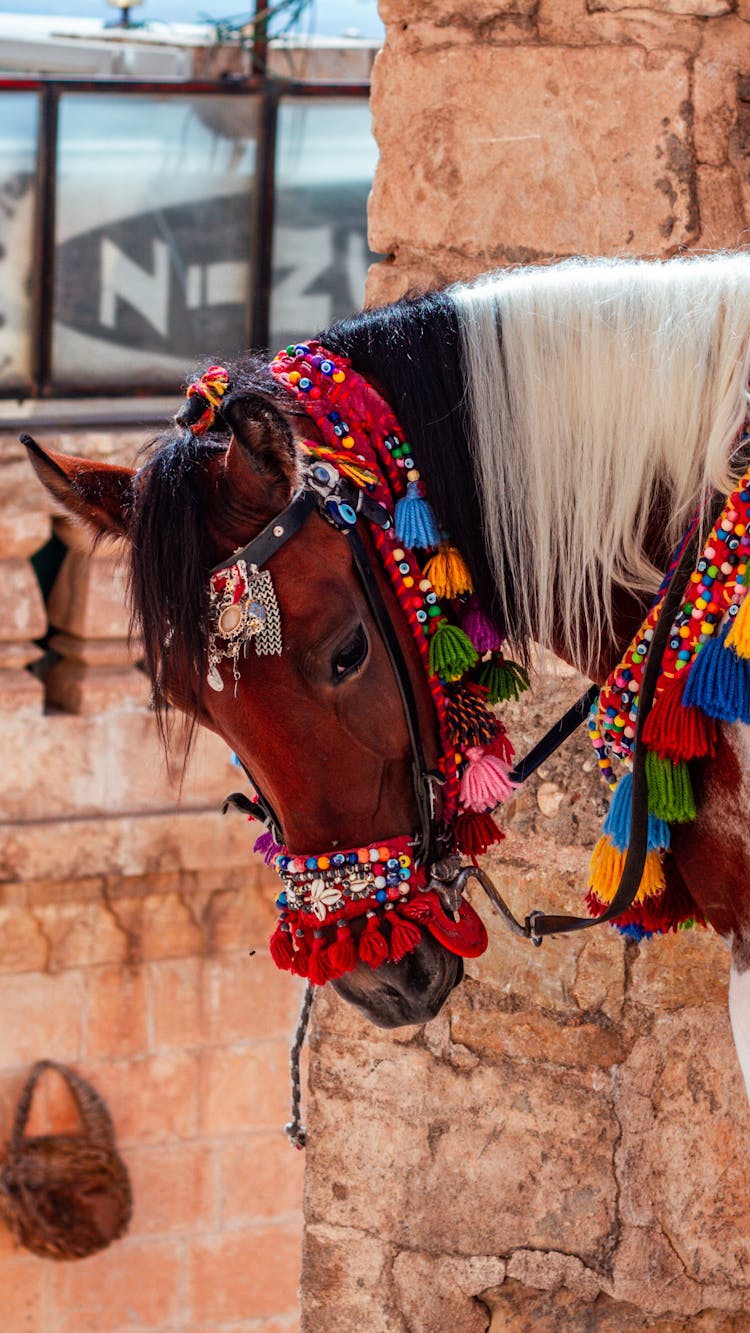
(373,946)
(475,832)
(676,732)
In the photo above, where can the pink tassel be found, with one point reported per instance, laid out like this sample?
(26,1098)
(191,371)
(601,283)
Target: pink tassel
(483,633)
(485,781)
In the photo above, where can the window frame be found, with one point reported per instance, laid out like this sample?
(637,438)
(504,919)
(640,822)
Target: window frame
(270,92)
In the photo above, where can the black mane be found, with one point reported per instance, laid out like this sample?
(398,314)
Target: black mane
(412,351)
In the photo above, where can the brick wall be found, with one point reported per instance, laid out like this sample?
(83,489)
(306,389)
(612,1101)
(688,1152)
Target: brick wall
(564,1147)
(128,910)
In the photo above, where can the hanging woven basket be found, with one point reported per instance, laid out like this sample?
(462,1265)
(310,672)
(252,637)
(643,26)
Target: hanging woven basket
(65,1196)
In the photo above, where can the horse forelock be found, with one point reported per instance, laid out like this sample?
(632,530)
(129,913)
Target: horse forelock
(171,550)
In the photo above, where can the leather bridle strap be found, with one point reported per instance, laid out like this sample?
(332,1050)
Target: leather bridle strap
(423,779)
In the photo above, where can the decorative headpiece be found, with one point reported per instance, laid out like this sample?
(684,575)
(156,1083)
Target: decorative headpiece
(363,449)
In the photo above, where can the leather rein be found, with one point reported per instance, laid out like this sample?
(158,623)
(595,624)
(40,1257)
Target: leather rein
(339,501)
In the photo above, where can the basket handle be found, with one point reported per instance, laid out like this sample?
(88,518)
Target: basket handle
(95,1118)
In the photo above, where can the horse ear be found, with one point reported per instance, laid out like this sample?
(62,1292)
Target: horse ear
(97,493)
(264,438)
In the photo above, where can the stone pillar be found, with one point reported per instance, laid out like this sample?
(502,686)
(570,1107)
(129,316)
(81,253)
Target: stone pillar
(88,611)
(22,614)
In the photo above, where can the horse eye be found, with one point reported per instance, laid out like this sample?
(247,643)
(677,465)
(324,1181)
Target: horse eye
(351,655)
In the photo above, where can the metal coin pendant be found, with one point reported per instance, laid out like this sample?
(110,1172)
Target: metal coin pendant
(214,678)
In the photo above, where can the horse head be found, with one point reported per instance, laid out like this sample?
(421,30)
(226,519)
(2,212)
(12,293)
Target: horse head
(318,722)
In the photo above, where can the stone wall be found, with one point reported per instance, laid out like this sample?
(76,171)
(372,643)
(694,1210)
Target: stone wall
(133,926)
(562,1148)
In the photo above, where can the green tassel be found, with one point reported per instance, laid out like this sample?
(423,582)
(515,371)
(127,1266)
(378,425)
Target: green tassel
(451,651)
(503,679)
(670,791)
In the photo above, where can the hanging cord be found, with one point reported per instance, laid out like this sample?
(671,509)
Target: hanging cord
(295,1130)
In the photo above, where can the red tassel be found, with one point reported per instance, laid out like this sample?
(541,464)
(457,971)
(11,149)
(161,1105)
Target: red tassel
(475,832)
(373,947)
(301,957)
(342,955)
(281,948)
(405,937)
(676,732)
(500,745)
(318,969)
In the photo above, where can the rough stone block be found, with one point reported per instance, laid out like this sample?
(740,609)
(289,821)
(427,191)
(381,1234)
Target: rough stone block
(444,1293)
(721,209)
(689,8)
(346,1282)
(527,1190)
(496,149)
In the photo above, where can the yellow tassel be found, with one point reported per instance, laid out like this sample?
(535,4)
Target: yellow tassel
(447,572)
(606,872)
(653,882)
(739,635)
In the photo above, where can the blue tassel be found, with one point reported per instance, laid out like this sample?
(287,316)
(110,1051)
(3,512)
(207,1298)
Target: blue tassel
(634,932)
(617,823)
(414,520)
(719,681)
(234,760)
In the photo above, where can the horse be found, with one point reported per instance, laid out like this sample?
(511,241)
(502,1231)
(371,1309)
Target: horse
(567,422)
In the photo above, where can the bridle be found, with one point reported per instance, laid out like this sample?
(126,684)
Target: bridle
(342,504)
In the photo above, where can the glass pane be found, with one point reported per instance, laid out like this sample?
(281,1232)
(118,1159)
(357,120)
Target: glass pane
(325,163)
(18,143)
(154,202)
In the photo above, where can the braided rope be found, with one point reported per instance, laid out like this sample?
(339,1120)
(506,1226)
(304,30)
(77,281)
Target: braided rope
(295,1130)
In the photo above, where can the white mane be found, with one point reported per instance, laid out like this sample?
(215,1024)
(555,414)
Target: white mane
(594,387)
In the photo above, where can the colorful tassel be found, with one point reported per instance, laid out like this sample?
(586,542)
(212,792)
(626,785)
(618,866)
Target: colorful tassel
(281,948)
(719,681)
(468,720)
(475,832)
(484,783)
(670,791)
(405,936)
(739,633)
(677,731)
(501,745)
(373,947)
(301,955)
(448,572)
(503,679)
(414,520)
(482,631)
(319,968)
(267,846)
(617,823)
(451,651)
(607,865)
(342,954)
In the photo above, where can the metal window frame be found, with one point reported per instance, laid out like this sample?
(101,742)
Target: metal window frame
(269,90)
